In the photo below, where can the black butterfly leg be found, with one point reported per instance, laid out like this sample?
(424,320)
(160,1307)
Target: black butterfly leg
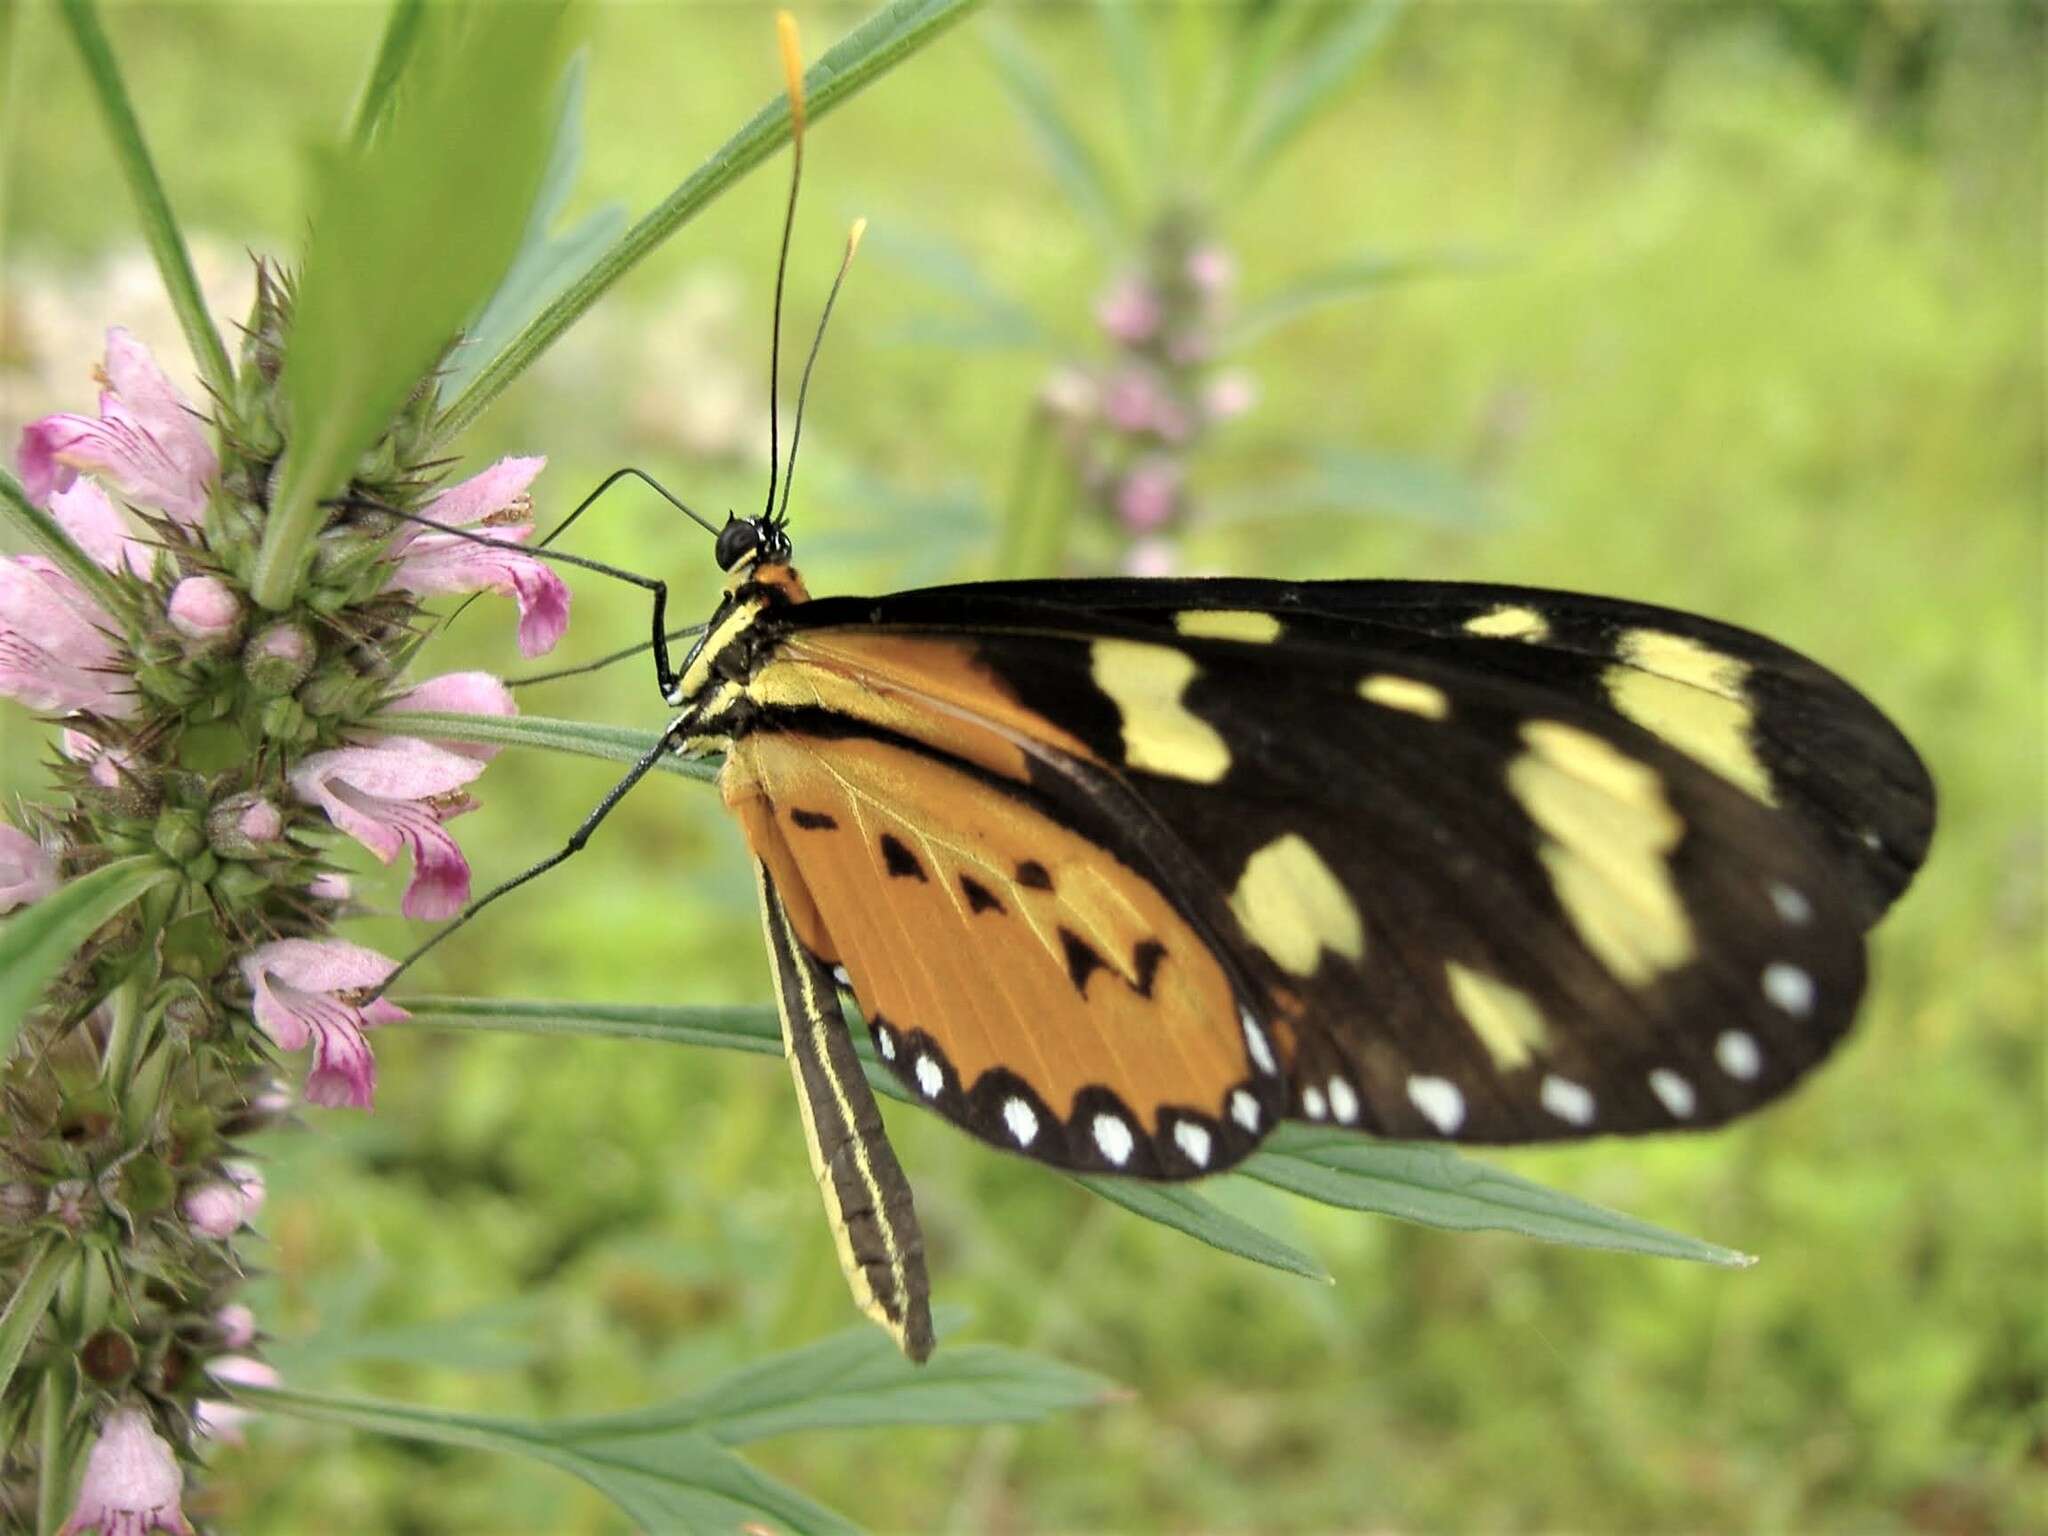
(867,1196)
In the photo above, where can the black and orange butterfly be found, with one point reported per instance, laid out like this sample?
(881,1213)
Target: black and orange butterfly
(1123,873)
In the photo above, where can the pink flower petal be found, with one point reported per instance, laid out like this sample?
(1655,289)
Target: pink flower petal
(97,528)
(132,1482)
(484,495)
(27,871)
(54,654)
(295,982)
(461,693)
(223,1420)
(438,563)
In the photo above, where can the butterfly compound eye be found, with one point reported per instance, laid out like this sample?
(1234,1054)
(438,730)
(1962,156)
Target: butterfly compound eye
(736,540)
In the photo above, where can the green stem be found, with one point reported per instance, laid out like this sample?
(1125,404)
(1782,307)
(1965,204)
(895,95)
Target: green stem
(53,1470)
(401,32)
(609,743)
(159,225)
(867,52)
(49,537)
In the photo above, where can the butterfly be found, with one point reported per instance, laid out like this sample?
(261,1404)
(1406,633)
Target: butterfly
(1123,873)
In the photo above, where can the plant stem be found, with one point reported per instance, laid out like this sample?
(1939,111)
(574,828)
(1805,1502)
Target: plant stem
(159,225)
(51,539)
(124,1039)
(53,1469)
(863,55)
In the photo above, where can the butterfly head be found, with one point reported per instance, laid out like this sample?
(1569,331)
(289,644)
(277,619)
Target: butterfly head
(751,540)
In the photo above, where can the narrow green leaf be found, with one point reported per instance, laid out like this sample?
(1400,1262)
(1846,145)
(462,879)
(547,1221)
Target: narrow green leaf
(411,231)
(754,1029)
(1344,282)
(1126,31)
(611,743)
(1438,1188)
(546,262)
(860,1380)
(1073,162)
(677,1481)
(856,61)
(394,52)
(30,1301)
(1333,56)
(49,537)
(37,942)
(159,225)
(1179,1207)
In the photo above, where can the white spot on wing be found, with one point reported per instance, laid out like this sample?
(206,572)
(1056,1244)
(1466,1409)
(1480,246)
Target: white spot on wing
(1571,1102)
(1440,1102)
(929,1077)
(1789,988)
(1792,906)
(1255,1041)
(1738,1054)
(1022,1121)
(1193,1140)
(885,1042)
(1244,1109)
(1674,1092)
(1114,1138)
(1343,1101)
(1312,1103)
(839,975)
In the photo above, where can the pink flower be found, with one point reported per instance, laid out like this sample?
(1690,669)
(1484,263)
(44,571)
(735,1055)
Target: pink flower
(205,609)
(1230,393)
(303,989)
(394,796)
(460,693)
(56,652)
(495,502)
(145,441)
(222,1207)
(1152,557)
(224,1421)
(1130,312)
(237,1325)
(1149,497)
(132,1482)
(1212,269)
(27,872)
(105,766)
(328,886)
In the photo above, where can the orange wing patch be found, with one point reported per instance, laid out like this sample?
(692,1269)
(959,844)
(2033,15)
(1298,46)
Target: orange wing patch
(1016,976)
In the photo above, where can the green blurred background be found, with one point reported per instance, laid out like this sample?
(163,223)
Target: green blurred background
(1764,341)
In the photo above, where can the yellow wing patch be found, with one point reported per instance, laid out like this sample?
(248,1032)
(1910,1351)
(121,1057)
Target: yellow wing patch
(1244,624)
(1609,834)
(1405,693)
(1161,735)
(1507,1021)
(1294,908)
(1693,698)
(1510,621)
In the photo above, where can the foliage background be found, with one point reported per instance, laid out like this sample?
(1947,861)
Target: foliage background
(1768,345)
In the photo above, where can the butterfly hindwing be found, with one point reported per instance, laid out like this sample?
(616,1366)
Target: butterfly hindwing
(1016,977)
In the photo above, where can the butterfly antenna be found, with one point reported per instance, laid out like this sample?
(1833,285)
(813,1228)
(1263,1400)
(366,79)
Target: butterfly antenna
(793,76)
(803,389)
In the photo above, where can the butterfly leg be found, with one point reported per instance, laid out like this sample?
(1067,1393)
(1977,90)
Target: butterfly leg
(867,1196)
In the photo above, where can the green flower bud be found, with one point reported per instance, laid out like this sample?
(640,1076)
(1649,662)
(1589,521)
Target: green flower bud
(144,1186)
(285,720)
(278,658)
(180,834)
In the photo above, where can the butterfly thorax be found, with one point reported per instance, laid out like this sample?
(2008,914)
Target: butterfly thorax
(749,622)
